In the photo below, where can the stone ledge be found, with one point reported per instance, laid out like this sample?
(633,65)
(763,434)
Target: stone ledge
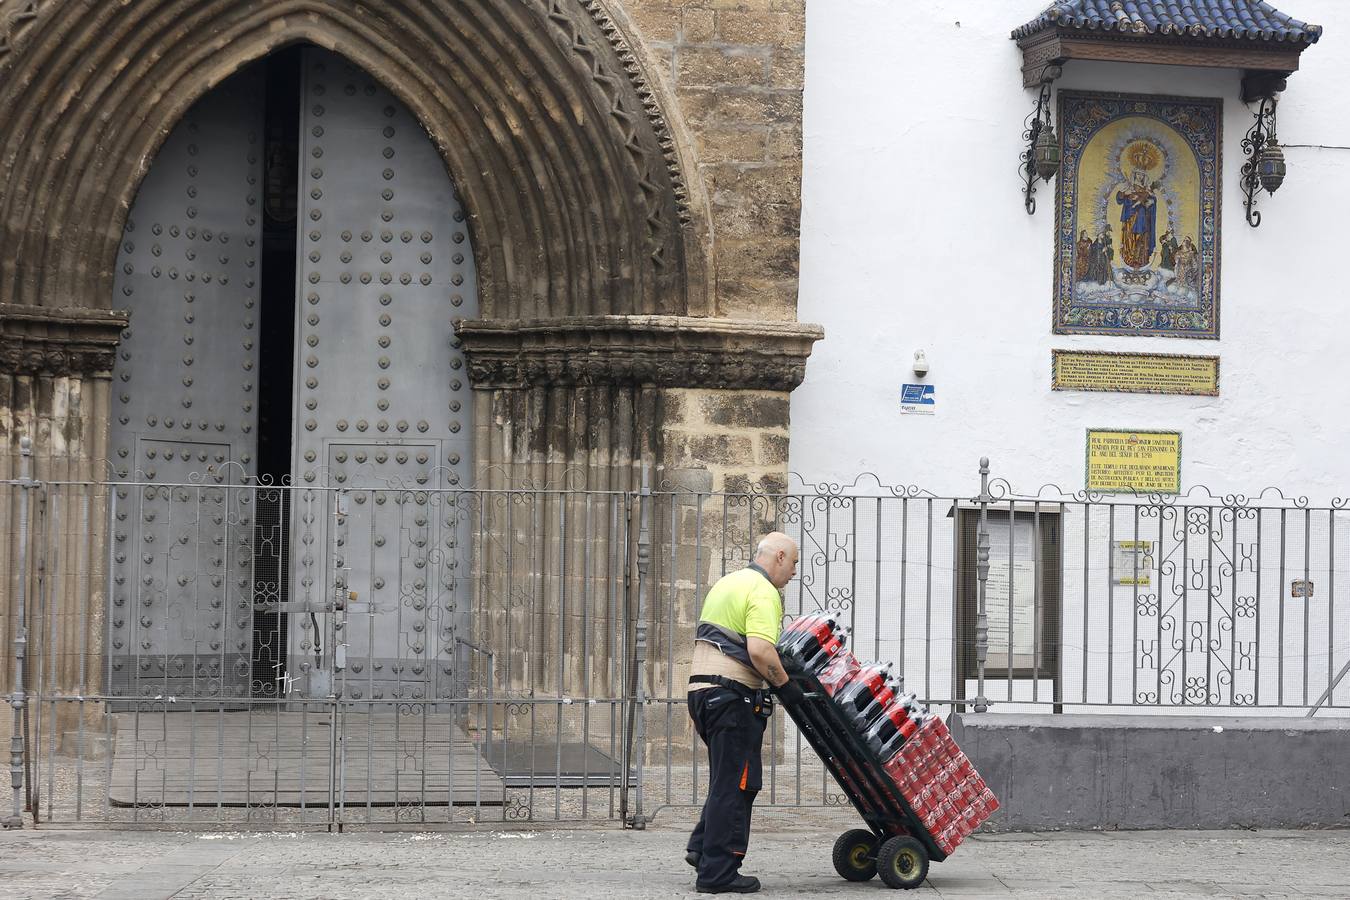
(1194,771)
(39,340)
(660,351)
(1193,722)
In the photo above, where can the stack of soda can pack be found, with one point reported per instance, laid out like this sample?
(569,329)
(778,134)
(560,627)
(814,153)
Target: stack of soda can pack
(914,746)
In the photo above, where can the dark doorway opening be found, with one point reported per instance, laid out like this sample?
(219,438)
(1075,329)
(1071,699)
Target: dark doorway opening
(280,174)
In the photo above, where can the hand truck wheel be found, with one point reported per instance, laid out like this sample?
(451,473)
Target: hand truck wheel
(902,862)
(855,855)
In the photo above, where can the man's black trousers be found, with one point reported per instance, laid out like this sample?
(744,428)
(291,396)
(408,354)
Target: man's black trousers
(729,722)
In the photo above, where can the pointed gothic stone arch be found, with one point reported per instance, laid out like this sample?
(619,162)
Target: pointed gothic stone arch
(595,358)
(540,111)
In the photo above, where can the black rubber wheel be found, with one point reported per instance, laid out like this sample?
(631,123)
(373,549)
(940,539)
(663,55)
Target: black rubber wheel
(902,862)
(855,855)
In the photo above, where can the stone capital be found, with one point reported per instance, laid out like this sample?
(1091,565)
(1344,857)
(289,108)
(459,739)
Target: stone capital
(661,351)
(38,340)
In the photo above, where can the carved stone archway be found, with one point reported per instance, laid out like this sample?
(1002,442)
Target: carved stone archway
(543,117)
(595,355)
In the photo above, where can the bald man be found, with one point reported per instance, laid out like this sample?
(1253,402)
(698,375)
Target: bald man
(735,653)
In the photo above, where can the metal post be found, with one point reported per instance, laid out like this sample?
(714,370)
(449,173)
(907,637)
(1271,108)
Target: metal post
(982,575)
(16,697)
(637,820)
(337,655)
(491,678)
(1326,695)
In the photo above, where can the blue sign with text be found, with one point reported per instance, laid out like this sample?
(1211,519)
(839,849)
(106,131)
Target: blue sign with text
(917,394)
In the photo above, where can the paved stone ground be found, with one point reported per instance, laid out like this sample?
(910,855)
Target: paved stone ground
(790,852)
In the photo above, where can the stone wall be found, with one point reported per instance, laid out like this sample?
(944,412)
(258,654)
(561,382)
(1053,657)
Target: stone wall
(724,454)
(736,69)
(1130,771)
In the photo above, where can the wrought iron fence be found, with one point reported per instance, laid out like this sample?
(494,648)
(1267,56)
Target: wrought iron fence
(342,656)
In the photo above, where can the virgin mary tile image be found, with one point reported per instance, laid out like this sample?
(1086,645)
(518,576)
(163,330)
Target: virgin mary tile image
(1138,207)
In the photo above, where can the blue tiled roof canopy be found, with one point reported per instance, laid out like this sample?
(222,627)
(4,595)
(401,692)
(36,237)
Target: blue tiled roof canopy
(1253,20)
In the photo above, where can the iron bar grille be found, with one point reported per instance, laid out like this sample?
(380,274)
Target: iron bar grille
(269,655)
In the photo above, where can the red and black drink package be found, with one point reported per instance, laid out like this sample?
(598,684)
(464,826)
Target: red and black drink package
(863,699)
(813,640)
(840,671)
(898,720)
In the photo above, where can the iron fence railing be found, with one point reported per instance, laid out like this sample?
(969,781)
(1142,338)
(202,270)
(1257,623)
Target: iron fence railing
(361,655)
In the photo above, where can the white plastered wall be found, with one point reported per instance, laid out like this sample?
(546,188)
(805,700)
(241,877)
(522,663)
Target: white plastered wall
(914,237)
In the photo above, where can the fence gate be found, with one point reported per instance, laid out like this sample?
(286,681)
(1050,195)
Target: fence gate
(565,702)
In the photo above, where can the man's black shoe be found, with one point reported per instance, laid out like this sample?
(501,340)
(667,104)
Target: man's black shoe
(692,857)
(744,884)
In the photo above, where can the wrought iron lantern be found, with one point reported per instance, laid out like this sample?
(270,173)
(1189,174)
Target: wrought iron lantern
(1270,166)
(1264,168)
(1048,154)
(1041,157)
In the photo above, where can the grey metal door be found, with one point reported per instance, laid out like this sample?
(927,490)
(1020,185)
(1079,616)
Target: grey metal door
(183,410)
(382,421)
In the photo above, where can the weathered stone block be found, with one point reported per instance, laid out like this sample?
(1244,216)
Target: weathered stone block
(750,106)
(712,449)
(658,23)
(773,449)
(756,297)
(737,483)
(773,29)
(738,144)
(741,5)
(746,410)
(773,483)
(772,184)
(752,219)
(699,26)
(766,259)
(787,69)
(674,407)
(785,143)
(698,480)
(717,66)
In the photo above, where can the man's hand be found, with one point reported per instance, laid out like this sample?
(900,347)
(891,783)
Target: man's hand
(765,657)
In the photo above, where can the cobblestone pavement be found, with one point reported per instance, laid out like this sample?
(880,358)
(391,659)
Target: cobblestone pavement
(790,853)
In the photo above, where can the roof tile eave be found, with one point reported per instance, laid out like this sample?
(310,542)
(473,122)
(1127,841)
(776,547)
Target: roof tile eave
(1254,20)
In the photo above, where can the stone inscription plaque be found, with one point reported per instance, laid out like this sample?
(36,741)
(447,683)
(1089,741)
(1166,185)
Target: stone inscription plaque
(1135,373)
(1126,462)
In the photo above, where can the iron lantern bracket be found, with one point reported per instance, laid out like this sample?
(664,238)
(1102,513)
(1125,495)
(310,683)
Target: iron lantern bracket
(1036,122)
(1263,89)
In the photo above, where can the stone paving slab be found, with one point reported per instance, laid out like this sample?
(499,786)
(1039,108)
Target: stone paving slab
(790,852)
(242,759)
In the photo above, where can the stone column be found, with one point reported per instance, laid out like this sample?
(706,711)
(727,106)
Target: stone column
(55,390)
(570,411)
